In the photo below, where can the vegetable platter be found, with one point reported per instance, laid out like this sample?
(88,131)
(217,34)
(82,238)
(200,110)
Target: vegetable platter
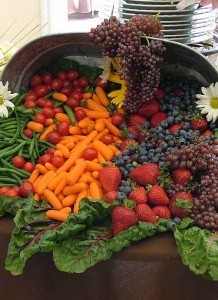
(94,158)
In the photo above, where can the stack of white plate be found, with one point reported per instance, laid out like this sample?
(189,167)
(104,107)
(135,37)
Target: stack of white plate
(192,25)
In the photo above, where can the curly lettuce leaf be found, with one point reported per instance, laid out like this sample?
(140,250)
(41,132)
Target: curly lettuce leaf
(11,205)
(198,249)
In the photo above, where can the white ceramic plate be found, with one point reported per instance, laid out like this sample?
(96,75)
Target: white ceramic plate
(155,6)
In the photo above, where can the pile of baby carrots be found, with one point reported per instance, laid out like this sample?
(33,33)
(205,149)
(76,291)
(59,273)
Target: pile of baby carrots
(64,187)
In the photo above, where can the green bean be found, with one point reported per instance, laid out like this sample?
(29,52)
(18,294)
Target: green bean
(12,151)
(20,173)
(17,131)
(10,166)
(70,114)
(20,99)
(35,136)
(8,184)
(58,103)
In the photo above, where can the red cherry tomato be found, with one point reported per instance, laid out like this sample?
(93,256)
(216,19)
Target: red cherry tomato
(72,75)
(76,95)
(66,90)
(117,119)
(53,137)
(29,167)
(58,109)
(76,83)
(4,189)
(56,84)
(89,154)
(71,102)
(98,82)
(47,78)
(18,161)
(31,96)
(62,74)
(40,118)
(28,133)
(79,89)
(30,104)
(26,188)
(41,90)
(48,112)
(11,193)
(44,102)
(83,81)
(63,128)
(51,151)
(45,158)
(35,80)
(66,83)
(107,139)
(80,114)
(57,161)
(16,189)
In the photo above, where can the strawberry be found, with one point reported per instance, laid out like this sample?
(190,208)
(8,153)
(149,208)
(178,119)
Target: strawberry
(145,214)
(176,127)
(149,108)
(160,93)
(145,174)
(123,218)
(136,119)
(161,212)
(133,129)
(181,204)
(157,196)
(158,118)
(110,178)
(128,143)
(198,123)
(111,196)
(138,195)
(181,176)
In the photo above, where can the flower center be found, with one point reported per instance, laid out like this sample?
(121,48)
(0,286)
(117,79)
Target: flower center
(213,102)
(1,100)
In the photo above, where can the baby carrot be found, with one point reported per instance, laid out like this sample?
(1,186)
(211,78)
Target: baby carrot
(58,153)
(49,129)
(36,197)
(49,121)
(101,134)
(101,159)
(74,130)
(61,117)
(73,189)
(42,185)
(96,99)
(114,149)
(50,167)
(84,123)
(80,196)
(69,200)
(63,149)
(103,149)
(92,166)
(37,127)
(60,97)
(42,169)
(98,114)
(52,199)
(95,191)
(66,210)
(113,129)
(99,125)
(69,145)
(60,197)
(102,95)
(95,174)
(34,175)
(57,215)
(92,105)
(37,181)
(56,180)
(87,95)
(61,185)
(75,173)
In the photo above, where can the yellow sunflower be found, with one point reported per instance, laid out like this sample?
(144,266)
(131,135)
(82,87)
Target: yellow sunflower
(118,95)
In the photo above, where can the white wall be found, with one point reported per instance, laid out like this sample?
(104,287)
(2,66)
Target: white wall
(19,14)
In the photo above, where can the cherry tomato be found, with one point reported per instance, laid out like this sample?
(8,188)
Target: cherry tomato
(40,118)
(56,84)
(28,133)
(41,90)
(89,154)
(71,102)
(107,139)
(18,161)
(79,89)
(117,119)
(30,104)
(66,83)
(49,88)
(57,161)
(48,112)
(72,75)
(29,167)
(47,78)
(76,95)
(4,189)
(48,103)
(53,137)
(80,114)
(26,188)
(62,74)
(76,83)
(58,109)
(51,151)
(63,128)
(45,158)
(11,193)
(17,189)
(98,82)
(35,80)
(31,96)
(66,90)
(83,81)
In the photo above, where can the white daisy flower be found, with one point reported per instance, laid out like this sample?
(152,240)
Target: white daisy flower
(5,97)
(208,102)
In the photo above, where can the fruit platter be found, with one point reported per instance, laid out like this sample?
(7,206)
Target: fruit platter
(96,158)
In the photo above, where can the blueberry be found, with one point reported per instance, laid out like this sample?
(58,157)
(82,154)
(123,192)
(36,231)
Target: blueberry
(175,112)
(158,129)
(155,159)
(160,136)
(187,135)
(177,220)
(170,120)
(123,125)
(118,145)
(121,195)
(125,152)
(171,225)
(149,146)
(164,124)
(182,141)
(178,119)
(158,150)
(182,132)
(171,143)
(161,163)
(146,124)
(131,135)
